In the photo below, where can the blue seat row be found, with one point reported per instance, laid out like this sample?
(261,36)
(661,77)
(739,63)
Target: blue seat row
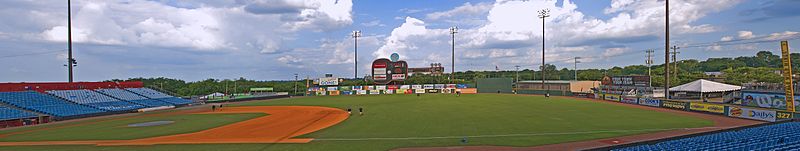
(94,99)
(11,113)
(132,97)
(47,104)
(176,101)
(149,93)
(782,136)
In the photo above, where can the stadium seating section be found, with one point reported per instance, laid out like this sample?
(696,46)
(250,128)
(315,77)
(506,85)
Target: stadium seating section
(10,114)
(46,104)
(132,97)
(782,136)
(91,98)
(150,93)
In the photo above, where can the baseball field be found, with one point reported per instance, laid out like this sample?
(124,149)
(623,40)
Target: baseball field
(389,122)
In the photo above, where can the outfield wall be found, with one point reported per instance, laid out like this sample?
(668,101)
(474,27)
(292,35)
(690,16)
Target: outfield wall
(761,114)
(390,89)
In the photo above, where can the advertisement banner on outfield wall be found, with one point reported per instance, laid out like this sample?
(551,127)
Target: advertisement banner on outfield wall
(438,86)
(674,105)
(333,93)
(704,107)
(388,92)
(374,91)
(345,88)
(630,100)
(332,88)
(416,87)
(405,87)
(781,115)
(451,86)
(358,88)
(427,86)
(408,91)
(748,113)
(380,87)
(650,102)
(767,100)
(362,92)
(612,97)
(346,93)
(432,91)
(418,91)
(371,87)
(392,87)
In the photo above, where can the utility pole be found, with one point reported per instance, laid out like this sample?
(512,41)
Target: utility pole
(666,52)
(649,63)
(576,67)
(453,31)
(355,35)
(674,59)
(517,71)
(295,84)
(544,14)
(70,61)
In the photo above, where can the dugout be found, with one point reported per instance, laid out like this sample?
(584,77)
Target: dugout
(495,85)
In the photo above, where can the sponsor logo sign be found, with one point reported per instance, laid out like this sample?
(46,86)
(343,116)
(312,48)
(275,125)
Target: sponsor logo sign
(427,86)
(379,77)
(371,87)
(379,71)
(357,87)
(650,102)
(756,114)
(416,86)
(438,86)
(329,81)
(451,86)
(374,92)
(388,92)
(674,105)
(419,90)
(408,91)
(405,87)
(712,108)
(392,87)
(362,92)
(432,91)
(380,87)
(399,76)
(766,100)
(630,100)
(333,88)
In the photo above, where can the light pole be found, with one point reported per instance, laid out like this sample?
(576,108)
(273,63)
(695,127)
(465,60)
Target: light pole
(70,61)
(295,84)
(517,71)
(453,31)
(355,35)
(544,14)
(666,53)
(649,63)
(576,67)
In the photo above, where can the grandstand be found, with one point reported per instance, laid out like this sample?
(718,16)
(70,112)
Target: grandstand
(781,136)
(46,104)
(10,114)
(153,94)
(94,99)
(132,97)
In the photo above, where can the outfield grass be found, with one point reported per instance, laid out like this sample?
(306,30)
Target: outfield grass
(411,121)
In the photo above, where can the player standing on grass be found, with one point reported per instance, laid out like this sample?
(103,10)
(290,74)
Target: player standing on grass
(360,111)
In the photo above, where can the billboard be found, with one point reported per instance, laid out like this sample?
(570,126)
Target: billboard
(756,114)
(451,86)
(358,87)
(329,81)
(704,107)
(385,71)
(405,87)
(766,100)
(641,81)
(380,87)
(650,102)
(332,88)
(416,86)
(419,91)
(630,100)
(427,86)
(432,91)
(438,86)
(674,105)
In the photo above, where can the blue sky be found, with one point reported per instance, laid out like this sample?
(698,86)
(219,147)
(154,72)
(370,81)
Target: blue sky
(274,39)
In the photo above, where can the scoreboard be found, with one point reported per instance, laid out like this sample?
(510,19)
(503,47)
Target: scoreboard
(385,71)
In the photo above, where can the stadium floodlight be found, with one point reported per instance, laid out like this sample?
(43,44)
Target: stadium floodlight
(453,31)
(70,61)
(544,14)
(355,36)
(295,84)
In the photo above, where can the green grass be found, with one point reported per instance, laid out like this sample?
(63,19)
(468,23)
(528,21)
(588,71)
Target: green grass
(400,116)
(117,129)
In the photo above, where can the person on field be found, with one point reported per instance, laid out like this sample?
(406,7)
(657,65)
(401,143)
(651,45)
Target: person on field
(360,111)
(458,93)
(349,111)
(213,107)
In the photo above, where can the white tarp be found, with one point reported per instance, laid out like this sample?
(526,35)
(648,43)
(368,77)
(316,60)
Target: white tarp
(705,86)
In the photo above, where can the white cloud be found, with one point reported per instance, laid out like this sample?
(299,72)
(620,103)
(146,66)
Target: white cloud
(610,52)
(746,34)
(726,38)
(373,23)
(467,9)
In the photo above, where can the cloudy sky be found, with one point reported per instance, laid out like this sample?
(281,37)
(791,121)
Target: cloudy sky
(274,39)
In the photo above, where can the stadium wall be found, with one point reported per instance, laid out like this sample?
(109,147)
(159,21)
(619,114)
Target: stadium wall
(495,85)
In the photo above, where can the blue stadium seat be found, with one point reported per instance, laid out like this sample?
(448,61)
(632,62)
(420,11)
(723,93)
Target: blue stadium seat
(153,94)
(775,137)
(46,104)
(94,99)
(11,113)
(132,97)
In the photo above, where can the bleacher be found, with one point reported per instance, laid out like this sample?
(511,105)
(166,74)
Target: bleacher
(94,99)
(46,104)
(775,137)
(132,97)
(153,94)
(11,113)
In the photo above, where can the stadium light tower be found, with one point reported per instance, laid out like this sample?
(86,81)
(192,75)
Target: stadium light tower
(576,67)
(355,35)
(453,31)
(70,61)
(666,52)
(295,84)
(544,14)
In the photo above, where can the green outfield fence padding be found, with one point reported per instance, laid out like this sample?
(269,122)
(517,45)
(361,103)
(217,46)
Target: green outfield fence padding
(542,92)
(493,85)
